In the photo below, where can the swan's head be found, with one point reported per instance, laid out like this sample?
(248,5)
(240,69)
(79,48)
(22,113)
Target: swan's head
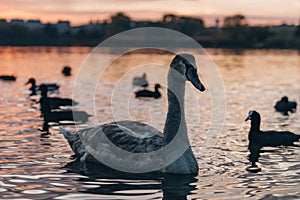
(31,80)
(185,64)
(252,115)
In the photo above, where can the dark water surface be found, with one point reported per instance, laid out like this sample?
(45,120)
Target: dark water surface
(32,164)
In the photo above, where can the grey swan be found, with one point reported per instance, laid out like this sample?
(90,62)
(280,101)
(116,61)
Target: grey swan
(7,78)
(284,106)
(66,71)
(258,139)
(59,115)
(122,133)
(147,93)
(140,81)
(51,87)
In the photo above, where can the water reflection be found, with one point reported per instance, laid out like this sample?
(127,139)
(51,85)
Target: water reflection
(178,187)
(113,182)
(31,162)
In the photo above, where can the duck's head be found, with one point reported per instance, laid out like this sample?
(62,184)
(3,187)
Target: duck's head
(252,115)
(66,70)
(31,80)
(157,86)
(185,64)
(284,99)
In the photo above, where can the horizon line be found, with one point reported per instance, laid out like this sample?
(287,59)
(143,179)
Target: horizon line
(252,20)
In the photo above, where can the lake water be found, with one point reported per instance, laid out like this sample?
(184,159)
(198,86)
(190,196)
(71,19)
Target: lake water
(33,163)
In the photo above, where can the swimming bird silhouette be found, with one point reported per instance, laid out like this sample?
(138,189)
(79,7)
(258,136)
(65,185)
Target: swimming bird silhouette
(7,78)
(138,137)
(59,115)
(140,81)
(66,71)
(56,102)
(147,93)
(51,87)
(258,139)
(284,106)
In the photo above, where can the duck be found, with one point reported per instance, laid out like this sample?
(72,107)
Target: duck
(56,102)
(258,139)
(7,78)
(137,137)
(51,87)
(59,115)
(140,80)
(147,93)
(66,71)
(284,106)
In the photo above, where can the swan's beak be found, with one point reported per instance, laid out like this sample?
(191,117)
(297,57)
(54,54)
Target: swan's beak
(27,82)
(193,77)
(250,115)
(248,118)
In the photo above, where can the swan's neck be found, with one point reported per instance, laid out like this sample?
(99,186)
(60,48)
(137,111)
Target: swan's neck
(255,125)
(175,121)
(44,94)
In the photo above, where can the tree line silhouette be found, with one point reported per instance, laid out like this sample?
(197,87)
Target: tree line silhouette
(234,32)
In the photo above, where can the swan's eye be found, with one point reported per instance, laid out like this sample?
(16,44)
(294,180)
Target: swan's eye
(250,113)
(189,67)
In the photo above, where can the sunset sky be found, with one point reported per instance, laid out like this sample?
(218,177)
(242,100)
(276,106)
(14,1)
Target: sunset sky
(82,11)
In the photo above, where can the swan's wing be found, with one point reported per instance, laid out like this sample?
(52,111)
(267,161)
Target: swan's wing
(130,136)
(133,136)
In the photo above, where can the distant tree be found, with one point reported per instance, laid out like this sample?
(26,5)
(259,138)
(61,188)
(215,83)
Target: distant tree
(235,30)
(96,33)
(15,30)
(50,30)
(67,33)
(187,25)
(118,23)
(237,20)
(82,33)
(257,36)
(297,31)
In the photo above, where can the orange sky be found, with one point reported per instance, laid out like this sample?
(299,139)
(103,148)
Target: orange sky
(82,11)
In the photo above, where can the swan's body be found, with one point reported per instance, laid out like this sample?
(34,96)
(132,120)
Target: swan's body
(284,105)
(258,139)
(147,93)
(51,87)
(138,137)
(140,81)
